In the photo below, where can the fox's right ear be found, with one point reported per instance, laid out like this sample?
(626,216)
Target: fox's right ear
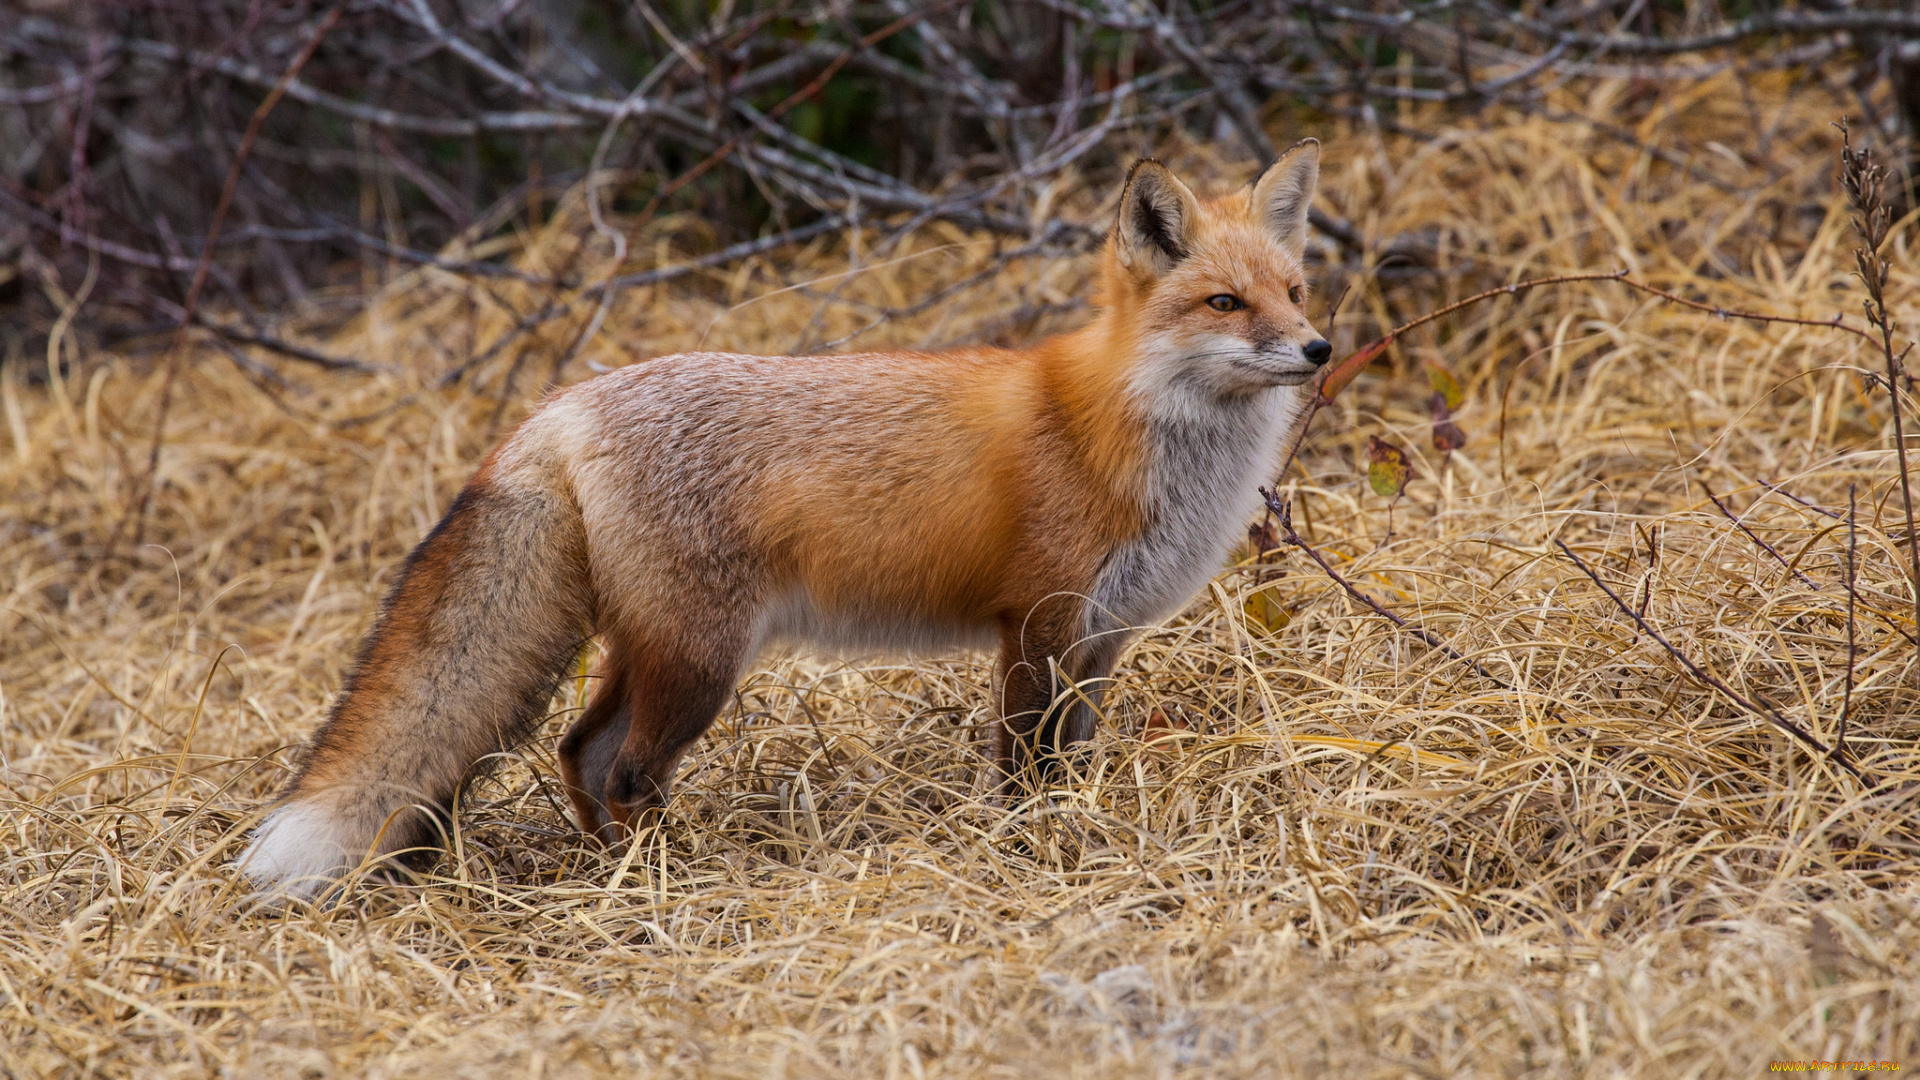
(1157,216)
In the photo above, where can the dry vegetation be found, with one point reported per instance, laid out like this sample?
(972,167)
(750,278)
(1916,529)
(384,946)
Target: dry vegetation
(1363,857)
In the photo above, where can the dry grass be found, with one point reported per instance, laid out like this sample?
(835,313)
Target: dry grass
(1365,858)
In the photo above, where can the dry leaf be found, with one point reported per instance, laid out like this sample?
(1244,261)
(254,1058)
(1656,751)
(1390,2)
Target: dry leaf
(1444,383)
(1335,376)
(1387,468)
(1447,436)
(1163,726)
(1265,611)
(1264,539)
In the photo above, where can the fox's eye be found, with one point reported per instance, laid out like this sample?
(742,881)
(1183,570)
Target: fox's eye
(1297,293)
(1225,302)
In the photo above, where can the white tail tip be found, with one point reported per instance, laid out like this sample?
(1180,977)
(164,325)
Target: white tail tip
(298,851)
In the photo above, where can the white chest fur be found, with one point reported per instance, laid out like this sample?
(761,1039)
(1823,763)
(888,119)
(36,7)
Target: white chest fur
(1210,457)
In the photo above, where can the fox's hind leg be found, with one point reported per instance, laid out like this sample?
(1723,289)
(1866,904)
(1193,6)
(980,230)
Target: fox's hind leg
(672,696)
(588,750)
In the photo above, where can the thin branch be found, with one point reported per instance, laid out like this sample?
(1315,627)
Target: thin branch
(387,119)
(288,349)
(1751,535)
(819,82)
(40,95)
(240,156)
(735,253)
(1335,377)
(1282,511)
(1778,490)
(1707,678)
(1835,323)
(1862,177)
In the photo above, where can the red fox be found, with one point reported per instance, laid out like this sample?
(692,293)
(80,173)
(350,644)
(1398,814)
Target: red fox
(692,509)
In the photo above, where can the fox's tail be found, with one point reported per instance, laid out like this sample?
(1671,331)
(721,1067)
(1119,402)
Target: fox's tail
(480,627)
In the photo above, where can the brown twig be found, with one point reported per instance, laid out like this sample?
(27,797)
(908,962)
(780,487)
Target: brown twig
(226,332)
(1335,377)
(1751,535)
(287,348)
(1708,678)
(1778,490)
(1835,323)
(240,156)
(1282,511)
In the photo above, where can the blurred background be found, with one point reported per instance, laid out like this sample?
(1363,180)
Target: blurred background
(276,159)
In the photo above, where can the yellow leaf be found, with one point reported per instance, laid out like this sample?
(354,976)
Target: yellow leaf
(1387,468)
(1264,610)
(1444,383)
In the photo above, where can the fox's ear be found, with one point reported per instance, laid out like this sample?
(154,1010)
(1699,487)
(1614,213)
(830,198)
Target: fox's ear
(1157,215)
(1284,192)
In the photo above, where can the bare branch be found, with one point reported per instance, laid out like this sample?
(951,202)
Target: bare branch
(1751,535)
(1282,510)
(1702,675)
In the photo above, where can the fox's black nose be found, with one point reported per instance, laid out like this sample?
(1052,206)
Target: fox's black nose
(1317,351)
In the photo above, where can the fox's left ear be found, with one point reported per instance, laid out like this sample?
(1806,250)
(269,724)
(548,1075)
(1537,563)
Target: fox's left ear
(1283,193)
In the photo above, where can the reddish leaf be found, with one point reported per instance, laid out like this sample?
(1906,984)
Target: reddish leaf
(1334,377)
(1387,468)
(1264,539)
(1162,727)
(1447,436)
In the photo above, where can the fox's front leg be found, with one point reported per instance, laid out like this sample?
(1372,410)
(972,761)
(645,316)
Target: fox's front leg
(1044,655)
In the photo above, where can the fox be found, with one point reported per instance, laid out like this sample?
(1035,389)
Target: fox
(693,510)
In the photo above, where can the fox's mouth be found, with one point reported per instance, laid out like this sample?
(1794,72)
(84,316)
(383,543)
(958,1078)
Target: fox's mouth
(1285,373)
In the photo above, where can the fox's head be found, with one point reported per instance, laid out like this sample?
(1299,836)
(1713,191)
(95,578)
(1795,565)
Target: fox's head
(1213,291)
